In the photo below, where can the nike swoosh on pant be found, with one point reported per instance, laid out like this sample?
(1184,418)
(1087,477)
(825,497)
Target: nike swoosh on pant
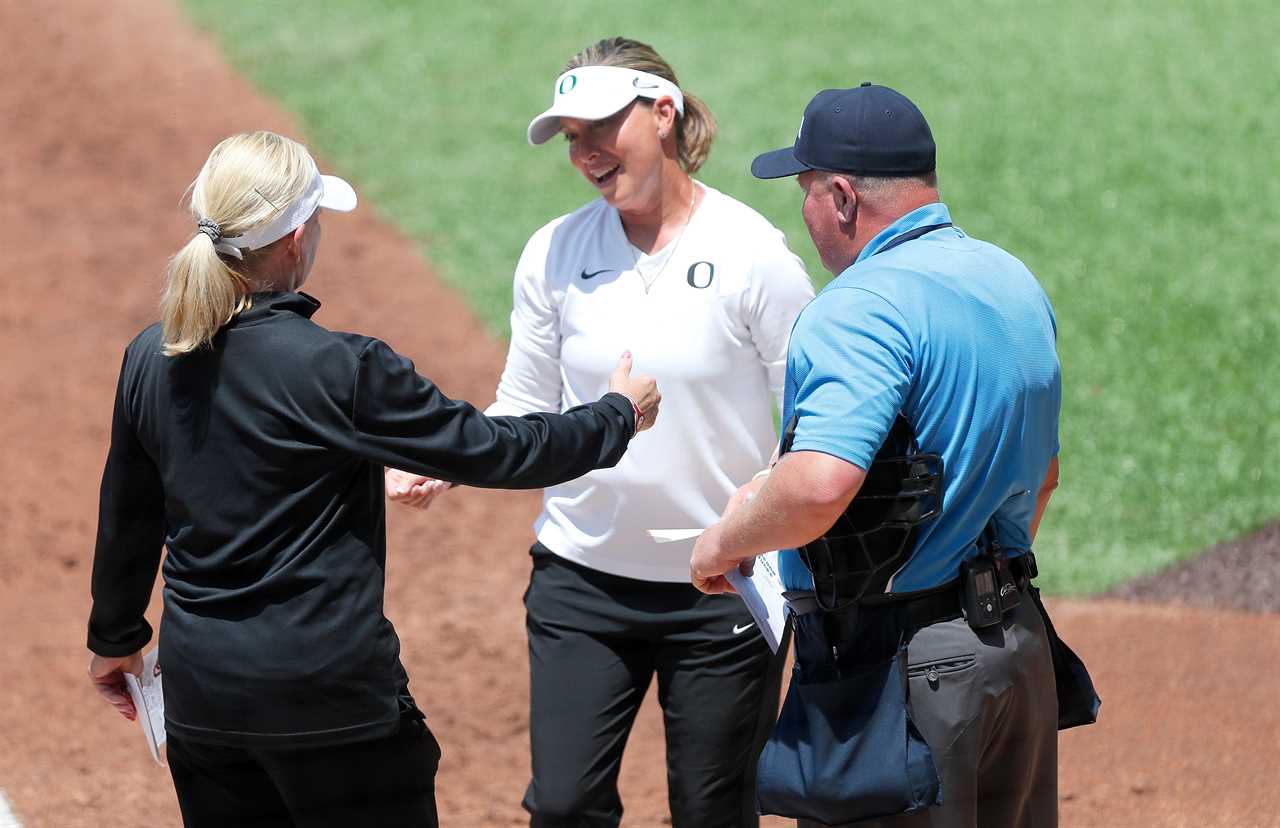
(740,630)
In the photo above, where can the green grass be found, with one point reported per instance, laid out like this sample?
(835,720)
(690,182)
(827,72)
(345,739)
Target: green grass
(1125,152)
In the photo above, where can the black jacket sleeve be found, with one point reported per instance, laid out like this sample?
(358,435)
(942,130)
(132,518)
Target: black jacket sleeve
(402,420)
(131,529)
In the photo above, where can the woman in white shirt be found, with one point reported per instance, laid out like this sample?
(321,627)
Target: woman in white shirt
(704,291)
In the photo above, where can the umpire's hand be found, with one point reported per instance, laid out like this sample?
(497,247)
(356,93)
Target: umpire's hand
(710,562)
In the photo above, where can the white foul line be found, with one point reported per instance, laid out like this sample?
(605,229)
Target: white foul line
(7,819)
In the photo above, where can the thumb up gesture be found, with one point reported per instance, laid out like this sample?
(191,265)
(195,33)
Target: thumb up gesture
(641,389)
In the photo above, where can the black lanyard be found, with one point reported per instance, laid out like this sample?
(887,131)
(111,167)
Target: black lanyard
(909,235)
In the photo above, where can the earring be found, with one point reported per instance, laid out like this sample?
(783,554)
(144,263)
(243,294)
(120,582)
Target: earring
(662,136)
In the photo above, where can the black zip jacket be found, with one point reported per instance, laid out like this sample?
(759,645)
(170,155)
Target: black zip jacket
(259,464)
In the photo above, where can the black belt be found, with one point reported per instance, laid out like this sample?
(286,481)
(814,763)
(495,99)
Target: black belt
(921,608)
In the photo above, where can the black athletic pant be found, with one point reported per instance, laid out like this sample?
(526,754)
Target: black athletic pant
(388,782)
(595,642)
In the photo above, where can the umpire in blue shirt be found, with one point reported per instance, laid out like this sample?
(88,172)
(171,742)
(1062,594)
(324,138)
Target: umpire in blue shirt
(957,338)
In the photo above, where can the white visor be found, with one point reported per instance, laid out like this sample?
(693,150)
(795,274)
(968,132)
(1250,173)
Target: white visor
(591,93)
(327,191)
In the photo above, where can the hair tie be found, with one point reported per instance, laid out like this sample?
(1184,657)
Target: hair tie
(210,228)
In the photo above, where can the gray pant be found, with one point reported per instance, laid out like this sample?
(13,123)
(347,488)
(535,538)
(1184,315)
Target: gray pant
(986,704)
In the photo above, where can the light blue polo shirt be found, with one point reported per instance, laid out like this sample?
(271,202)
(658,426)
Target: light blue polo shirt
(957,335)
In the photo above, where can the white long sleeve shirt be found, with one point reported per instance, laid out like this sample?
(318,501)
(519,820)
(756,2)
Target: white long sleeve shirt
(712,328)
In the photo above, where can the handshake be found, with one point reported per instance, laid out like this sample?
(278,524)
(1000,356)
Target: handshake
(417,491)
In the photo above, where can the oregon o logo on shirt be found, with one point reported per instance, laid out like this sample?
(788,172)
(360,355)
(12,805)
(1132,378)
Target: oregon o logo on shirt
(701,274)
(567,83)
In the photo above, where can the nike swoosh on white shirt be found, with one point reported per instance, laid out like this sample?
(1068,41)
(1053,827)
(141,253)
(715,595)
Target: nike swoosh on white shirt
(740,630)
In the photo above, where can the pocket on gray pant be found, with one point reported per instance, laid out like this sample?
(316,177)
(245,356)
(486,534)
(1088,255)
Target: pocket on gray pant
(933,670)
(943,697)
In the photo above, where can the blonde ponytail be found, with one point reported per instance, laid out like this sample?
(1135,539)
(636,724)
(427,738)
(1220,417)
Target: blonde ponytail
(201,294)
(695,130)
(245,180)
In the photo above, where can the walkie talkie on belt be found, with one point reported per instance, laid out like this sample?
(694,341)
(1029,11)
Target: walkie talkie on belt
(988,586)
(978,586)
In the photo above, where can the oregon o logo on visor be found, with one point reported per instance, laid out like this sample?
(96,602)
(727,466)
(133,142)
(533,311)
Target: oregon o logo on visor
(567,83)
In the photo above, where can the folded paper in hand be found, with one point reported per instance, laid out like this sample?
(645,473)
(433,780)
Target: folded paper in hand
(672,535)
(148,699)
(762,590)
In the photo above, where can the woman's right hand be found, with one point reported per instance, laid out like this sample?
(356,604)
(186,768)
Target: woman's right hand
(641,389)
(107,675)
(413,490)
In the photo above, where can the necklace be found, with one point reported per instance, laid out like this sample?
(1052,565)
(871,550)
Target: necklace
(671,254)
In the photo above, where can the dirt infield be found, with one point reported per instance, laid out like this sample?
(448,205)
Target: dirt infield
(106,112)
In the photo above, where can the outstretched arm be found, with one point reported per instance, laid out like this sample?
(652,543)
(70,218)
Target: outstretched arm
(530,379)
(400,419)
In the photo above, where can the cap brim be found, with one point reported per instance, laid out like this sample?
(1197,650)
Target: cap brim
(338,194)
(544,127)
(778,164)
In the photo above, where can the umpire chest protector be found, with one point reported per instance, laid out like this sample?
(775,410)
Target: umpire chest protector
(875,536)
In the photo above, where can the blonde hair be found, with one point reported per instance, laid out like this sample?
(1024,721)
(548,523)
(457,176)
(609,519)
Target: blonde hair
(695,130)
(244,182)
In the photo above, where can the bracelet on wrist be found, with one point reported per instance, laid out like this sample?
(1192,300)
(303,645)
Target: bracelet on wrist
(639,416)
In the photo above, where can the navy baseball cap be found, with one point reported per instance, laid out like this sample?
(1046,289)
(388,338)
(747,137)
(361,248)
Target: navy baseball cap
(866,130)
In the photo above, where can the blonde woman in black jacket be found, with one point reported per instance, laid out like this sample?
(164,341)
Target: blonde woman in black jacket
(251,442)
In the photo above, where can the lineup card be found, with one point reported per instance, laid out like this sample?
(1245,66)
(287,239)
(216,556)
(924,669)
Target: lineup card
(763,593)
(762,590)
(148,699)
